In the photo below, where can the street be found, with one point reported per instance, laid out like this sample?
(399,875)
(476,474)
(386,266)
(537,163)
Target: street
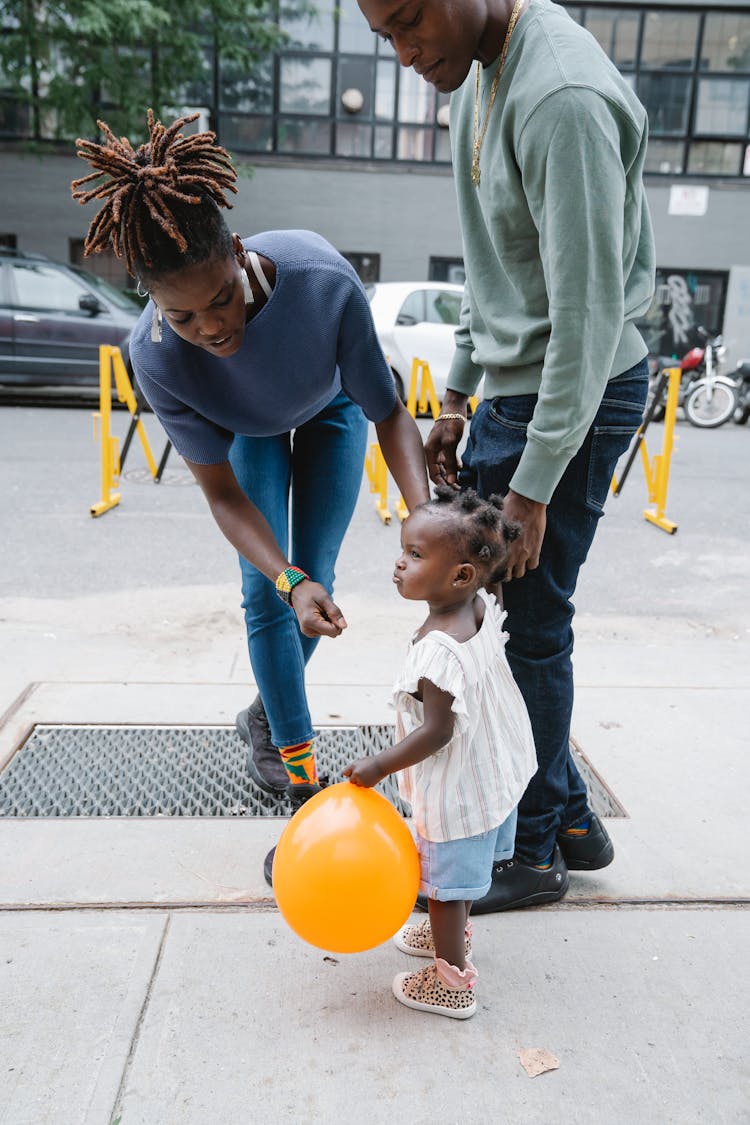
(50,468)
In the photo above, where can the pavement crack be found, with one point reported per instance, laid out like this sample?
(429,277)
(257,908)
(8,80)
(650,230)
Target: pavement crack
(263,905)
(140,1021)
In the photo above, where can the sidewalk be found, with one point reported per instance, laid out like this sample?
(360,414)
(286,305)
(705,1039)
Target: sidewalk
(147,977)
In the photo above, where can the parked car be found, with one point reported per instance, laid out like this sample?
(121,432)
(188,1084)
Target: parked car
(416,319)
(53,317)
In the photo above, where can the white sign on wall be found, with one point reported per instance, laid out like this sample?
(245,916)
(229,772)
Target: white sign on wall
(688,199)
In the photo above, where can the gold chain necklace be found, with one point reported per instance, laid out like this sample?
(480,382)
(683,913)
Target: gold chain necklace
(479,136)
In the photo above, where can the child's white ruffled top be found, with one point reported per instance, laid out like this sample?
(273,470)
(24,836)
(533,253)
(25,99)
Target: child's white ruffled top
(475,782)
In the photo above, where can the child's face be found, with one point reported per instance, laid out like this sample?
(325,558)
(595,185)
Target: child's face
(427,565)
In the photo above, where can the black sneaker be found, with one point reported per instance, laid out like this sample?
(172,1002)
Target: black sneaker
(298,796)
(589,852)
(516,884)
(268,866)
(264,762)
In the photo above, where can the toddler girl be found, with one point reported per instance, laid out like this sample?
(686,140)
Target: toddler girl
(465,746)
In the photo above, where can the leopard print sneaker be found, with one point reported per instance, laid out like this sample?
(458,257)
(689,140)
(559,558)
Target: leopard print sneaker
(440,988)
(416,940)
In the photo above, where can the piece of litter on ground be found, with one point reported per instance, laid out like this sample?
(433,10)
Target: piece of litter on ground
(537,1060)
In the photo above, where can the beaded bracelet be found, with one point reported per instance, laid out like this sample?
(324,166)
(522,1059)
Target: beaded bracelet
(287,580)
(441,417)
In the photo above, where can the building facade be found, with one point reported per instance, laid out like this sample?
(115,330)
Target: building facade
(331,134)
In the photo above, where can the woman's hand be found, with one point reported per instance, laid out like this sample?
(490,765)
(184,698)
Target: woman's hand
(365,772)
(317,612)
(247,529)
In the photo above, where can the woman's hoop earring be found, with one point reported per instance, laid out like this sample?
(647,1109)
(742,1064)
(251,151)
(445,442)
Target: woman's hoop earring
(156,326)
(140,290)
(247,292)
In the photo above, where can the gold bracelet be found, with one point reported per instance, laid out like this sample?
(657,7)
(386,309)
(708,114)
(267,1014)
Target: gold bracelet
(442,417)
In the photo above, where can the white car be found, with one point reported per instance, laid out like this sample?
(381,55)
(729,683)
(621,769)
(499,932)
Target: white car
(416,320)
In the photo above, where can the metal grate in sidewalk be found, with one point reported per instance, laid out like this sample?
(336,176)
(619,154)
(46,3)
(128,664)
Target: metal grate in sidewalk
(151,771)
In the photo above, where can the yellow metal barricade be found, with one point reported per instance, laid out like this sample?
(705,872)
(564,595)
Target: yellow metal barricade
(421,390)
(111,366)
(421,396)
(656,469)
(377,474)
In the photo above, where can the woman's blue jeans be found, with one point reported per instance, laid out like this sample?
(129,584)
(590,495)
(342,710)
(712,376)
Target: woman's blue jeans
(540,611)
(306,484)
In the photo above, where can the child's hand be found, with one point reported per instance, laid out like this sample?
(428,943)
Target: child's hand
(365,772)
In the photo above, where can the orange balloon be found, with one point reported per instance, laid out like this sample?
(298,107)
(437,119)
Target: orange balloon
(346,870)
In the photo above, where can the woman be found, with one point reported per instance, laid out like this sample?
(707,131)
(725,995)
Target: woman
(260,359)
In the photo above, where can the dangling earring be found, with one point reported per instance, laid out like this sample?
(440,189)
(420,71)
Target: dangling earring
(156,326)
(140,290)
(247,292)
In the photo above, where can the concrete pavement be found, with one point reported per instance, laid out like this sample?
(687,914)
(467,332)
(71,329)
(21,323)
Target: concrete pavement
(145,974)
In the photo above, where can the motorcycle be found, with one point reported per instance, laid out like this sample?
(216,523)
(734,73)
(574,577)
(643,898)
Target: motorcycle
(707,397)
(742,383)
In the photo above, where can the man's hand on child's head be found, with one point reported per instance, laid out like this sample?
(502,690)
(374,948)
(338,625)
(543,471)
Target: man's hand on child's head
(365,772)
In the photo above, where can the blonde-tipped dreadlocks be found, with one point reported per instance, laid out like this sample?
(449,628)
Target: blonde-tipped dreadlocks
(162,199)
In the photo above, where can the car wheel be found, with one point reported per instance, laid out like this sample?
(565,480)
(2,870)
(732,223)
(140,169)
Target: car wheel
(399,384)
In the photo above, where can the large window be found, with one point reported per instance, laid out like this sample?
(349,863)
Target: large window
(667,100)
(726,42)
(670,40)
(305,86)
(690,67)
(691,70)
(335,90)
(617,32)
(314,30)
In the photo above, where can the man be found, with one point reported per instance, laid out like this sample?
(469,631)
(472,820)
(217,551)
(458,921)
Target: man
(548,145)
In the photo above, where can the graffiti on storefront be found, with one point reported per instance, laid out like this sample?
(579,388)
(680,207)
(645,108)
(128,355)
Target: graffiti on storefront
(684,301)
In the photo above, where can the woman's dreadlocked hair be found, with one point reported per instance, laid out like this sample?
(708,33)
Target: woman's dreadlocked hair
(162,199)
(479,530)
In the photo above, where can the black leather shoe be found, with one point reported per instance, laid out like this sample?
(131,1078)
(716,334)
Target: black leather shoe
(298,796)
(516,884)
(264,762)
(589,852)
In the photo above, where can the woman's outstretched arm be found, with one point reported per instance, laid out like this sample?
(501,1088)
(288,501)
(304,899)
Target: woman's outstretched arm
(249,533)
(402,448)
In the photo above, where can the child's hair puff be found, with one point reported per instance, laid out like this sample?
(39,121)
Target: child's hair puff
(480,531)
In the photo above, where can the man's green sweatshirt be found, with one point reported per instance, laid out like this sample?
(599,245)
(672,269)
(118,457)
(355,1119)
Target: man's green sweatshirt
(558,245)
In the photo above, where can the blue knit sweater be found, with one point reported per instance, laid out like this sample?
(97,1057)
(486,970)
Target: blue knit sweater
(313,338)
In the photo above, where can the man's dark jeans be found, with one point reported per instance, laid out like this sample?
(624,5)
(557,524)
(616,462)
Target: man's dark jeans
(540,612)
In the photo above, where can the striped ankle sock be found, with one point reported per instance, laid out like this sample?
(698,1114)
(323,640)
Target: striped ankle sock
(299,763)
(579,830)
(544,866)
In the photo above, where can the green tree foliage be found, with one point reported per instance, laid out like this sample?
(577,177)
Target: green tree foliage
(78,60)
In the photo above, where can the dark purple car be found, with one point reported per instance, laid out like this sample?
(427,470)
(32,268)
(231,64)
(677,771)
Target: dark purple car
(53,317)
